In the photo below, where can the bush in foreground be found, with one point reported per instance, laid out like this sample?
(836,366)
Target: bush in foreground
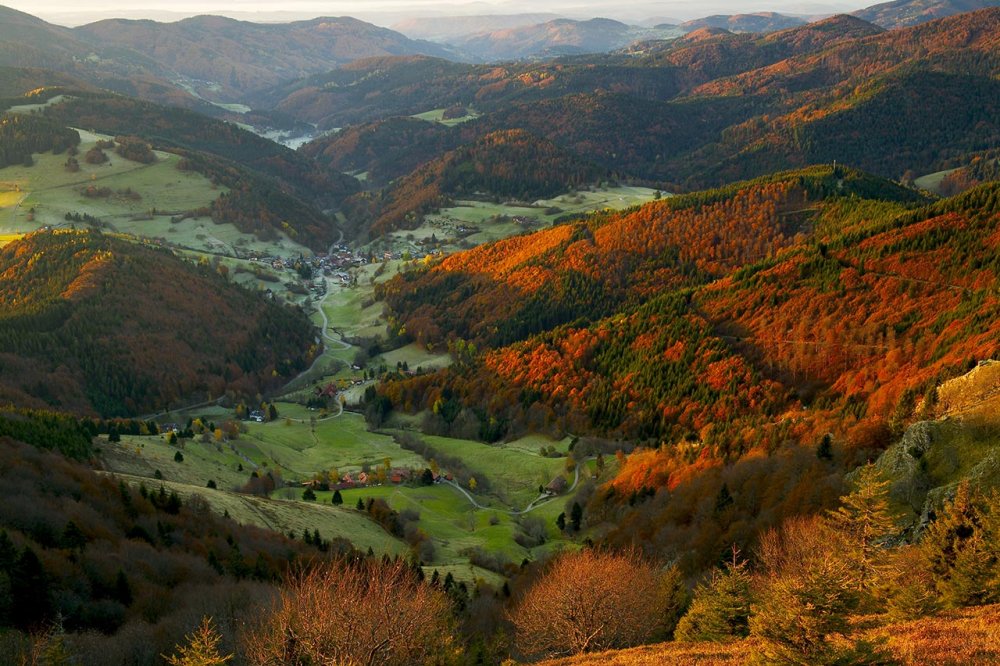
(369,612)
(590,601)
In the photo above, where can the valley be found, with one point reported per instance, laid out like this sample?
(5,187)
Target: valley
(572,341)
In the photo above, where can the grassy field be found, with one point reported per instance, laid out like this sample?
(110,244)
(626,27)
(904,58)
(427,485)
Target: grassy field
(932,181)
(514,472)
(52,191)
(437,116)
(144,456)
(297,448)
(490,221)
(301,449)
(287,516)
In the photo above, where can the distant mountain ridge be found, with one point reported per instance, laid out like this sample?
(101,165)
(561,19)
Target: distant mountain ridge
(239,56)
(557,37)
(756,22)
(905,13)
(446,28)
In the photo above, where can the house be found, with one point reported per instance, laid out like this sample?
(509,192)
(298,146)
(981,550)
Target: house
(257,416)
(556,486)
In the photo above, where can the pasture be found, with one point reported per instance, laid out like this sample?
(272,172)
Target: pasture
(437,116)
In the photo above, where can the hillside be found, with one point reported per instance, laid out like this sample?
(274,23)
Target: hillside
(94,324)
(556,37)
(711,108)
(272,187)
(958,637)
(224,58)
(717,332)
(906,13)
(447,28)
(758,22)
(126,571)
(499,165)
(384,149)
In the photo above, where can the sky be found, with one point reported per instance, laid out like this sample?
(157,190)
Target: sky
(387,12)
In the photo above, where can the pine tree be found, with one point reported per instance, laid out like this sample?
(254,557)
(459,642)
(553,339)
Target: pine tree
(960,548)
(721,607)
(865,523)
(202,648)
(337,498)
(797,615)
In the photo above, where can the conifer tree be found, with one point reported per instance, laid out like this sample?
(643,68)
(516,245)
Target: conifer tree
(864,521)
(960,548)
(720,610)
(201,649)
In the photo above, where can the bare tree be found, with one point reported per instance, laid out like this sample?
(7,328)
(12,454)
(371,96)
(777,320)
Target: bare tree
(590,601)
(360,613)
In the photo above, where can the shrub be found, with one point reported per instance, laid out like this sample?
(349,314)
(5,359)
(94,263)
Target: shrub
(371,612)
(590,601)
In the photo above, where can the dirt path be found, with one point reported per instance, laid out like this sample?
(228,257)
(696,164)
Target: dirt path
(541,500)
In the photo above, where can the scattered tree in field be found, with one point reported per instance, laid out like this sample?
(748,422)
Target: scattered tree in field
(371,612)
(309,495)
(201,649)
(95,156)
(576,516)
(179,457)
(337,498)
(590,601)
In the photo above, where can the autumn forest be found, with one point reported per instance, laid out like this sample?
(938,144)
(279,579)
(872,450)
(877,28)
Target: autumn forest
(364,348)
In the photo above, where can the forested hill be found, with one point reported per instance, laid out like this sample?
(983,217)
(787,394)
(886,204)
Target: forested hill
(240,56)
(703,110)
(93,324)
(501,165)
(723,326)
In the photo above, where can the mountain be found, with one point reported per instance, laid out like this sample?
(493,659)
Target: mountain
(501,165)
(758,22)
(383,87)
(223,58)
(905,13)
(446,29)
(26,41)
(94,324)
(384,150)
(271,187)
(730,330)
(557,37)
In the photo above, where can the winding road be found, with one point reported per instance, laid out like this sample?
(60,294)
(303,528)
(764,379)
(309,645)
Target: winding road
(541,500)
